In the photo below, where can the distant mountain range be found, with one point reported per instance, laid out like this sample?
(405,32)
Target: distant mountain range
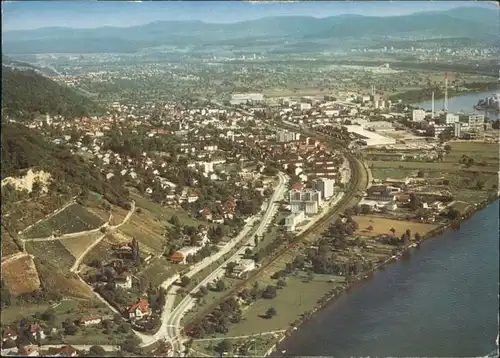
(468,22)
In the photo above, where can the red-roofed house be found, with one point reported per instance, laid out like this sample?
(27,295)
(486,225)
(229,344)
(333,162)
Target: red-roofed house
(193,197)
(206,214)
(64,351)
(9,333)
(139,309)
(29,351)
(35,329)
(297,186)
(90,320)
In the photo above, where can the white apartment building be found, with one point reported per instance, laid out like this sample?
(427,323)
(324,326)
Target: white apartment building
(305,106)
(326,187)
(476,121)
(451,118)
(283,136)
(418,115)
(292,220)
(307,200)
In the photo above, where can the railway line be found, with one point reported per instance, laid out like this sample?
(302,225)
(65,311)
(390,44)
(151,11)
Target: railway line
(358,184)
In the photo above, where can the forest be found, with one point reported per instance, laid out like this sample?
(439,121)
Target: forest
(27,94)
(24,148)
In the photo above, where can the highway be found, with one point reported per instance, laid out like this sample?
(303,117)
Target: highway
(170,329)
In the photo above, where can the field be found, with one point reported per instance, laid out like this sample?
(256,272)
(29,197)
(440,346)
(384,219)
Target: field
(118,214)
(77,246)
(53,262)
(466,184)
(158,270)
(20,275)
(290,302)
(383,226)
(163,213)
(74,218)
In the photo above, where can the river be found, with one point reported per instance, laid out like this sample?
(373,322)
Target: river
(441,301)
(464,103)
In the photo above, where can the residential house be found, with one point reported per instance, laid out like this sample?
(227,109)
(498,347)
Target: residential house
(181,255)
(193,197)
(30,351)
(64,351)
(139,310)
(9,333)
(206,214)
(36,330)
(124,281)
(90,320)
(244,266)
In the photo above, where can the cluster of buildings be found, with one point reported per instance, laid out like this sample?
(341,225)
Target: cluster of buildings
(307,201)
(460,126)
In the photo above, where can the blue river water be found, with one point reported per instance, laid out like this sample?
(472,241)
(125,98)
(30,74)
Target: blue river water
(463,103)
(441,301)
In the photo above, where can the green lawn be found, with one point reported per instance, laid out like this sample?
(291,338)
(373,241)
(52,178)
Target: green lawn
(158,270)
(259,345)
(293,300)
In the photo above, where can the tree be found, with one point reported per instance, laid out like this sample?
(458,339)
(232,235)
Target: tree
(281,283)
(271,312)
(185,280)
(174,220)
(225,347)
(269,292)
(5,297)
(230,267)
(49,315)
(96,351)
(161,299)
(130,344)
(220,286)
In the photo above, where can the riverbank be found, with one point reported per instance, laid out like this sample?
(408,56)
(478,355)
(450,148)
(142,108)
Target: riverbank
(358,280)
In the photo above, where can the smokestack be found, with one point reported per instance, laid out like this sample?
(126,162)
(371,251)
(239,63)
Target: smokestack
(432,105)
(446,91)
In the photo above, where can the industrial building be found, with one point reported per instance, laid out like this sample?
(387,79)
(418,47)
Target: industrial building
(371,138)
(307,200)
(294,219)
(242,98)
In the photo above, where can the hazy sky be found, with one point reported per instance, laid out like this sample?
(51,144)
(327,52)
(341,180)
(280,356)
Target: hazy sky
(89,14)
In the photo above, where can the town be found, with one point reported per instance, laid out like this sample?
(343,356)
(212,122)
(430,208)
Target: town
(207,197)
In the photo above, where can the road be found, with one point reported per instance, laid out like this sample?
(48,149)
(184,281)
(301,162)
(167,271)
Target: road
(170,328)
